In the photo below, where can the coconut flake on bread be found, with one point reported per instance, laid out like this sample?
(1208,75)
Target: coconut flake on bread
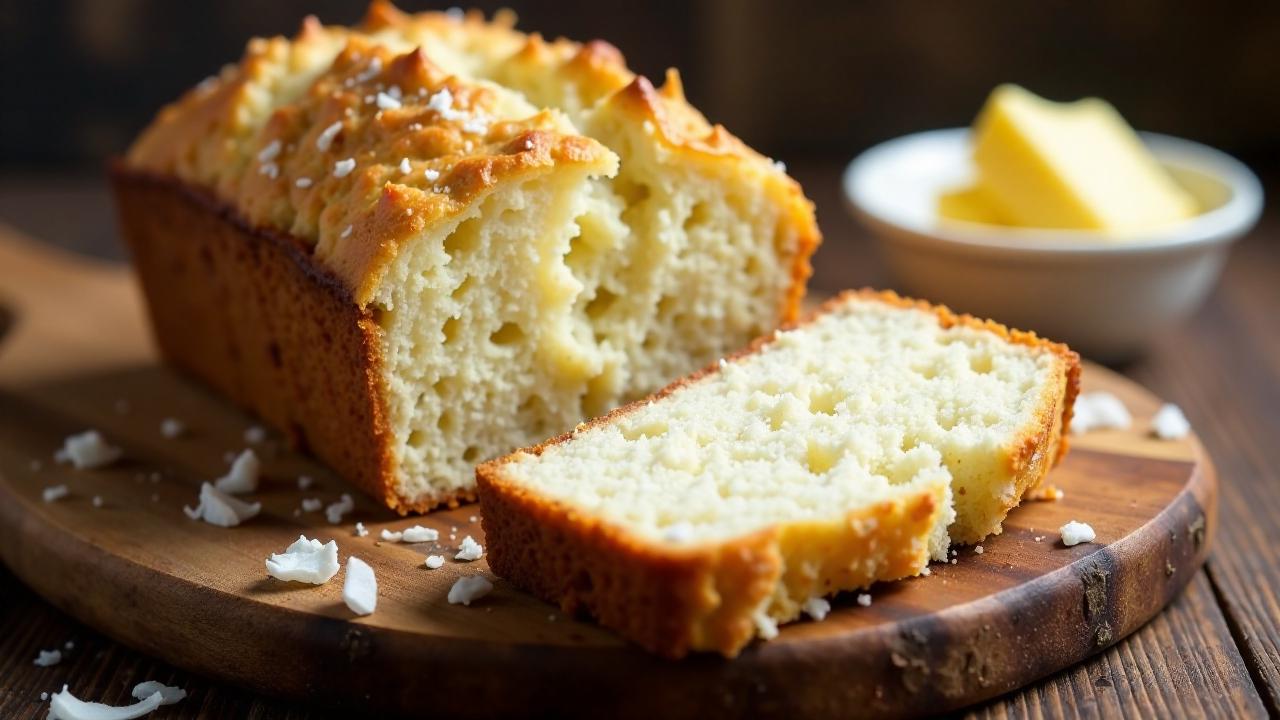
(846,451)
(492,237)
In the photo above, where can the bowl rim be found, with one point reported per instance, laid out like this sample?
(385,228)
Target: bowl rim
(1222,224)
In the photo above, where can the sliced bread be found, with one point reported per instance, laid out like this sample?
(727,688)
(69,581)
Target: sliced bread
(846,450)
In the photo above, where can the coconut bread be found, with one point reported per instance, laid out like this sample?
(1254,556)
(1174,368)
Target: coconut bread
(420,242)
(845,450)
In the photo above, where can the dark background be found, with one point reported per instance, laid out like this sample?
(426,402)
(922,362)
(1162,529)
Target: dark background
(796,79)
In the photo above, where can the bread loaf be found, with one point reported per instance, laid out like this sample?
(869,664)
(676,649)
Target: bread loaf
(426,240)
(847,450)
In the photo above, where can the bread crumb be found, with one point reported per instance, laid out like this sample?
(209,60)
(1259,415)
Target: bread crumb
(470,550)
(469,589)
(1169,423)
(1074,533)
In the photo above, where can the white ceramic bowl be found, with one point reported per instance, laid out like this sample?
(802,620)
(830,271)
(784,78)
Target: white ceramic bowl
(1105,297)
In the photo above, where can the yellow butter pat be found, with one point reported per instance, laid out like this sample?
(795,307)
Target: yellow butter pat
(1068,165)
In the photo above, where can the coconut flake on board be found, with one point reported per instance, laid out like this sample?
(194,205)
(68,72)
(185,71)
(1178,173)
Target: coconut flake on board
(468,589)
(1169,423)
(307,561)
(87,450)
(65,706)
(169,695)
(242,478)
(218,508)
(360,589)
(470,550)
(1099,411)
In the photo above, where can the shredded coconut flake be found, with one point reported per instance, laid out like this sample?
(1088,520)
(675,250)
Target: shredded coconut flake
(864,599)
(270,169)
(312,504)
(978,550)
(343,168)
(255,434)
(54,493)
(434,562)
(1169,423)
(169,695)
(97,501)
(470,550)
(171,428)
(307,561)
(302,182)
(304,482)
(335,512)
(218,508)
(766,627)
(1099,411)
(375,67)
(361,530)
(88,450)
(1074,533)
(65,706)
(386,101)
(269,152)
(405,166)
(419,534)
(242,478)
(431,175)
(47,658)
(326,136)
(346,233)
(391,535)
(816,608)
(469,589)
(360,589)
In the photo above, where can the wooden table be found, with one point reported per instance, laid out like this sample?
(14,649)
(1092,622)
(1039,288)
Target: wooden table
(1215,652)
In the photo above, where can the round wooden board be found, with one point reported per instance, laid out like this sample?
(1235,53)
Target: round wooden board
(199,597)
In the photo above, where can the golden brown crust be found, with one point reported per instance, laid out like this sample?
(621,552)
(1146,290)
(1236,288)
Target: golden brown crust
(289,92)
(249,312)
(660,597)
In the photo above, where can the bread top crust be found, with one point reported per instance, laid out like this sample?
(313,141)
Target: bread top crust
(311,135)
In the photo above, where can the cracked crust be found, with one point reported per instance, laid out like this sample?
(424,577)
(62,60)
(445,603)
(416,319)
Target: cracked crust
(673,600)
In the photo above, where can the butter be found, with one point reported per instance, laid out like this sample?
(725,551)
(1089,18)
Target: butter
(1064,165)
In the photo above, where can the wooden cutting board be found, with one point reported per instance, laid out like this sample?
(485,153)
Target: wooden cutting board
(77,356)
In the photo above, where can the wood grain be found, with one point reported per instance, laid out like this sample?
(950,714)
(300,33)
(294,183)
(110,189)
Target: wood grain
(137,568)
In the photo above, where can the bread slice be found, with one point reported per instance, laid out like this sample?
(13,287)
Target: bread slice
(847,450)
(426,240)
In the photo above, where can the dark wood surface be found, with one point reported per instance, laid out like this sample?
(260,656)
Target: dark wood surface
(1213,653)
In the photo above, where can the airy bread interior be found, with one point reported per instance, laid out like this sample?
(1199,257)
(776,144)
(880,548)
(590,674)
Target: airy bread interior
(548,239)
(865,402)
